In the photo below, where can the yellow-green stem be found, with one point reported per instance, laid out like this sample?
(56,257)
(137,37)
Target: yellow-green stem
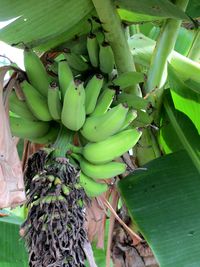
(62,142)
(194,52)
(165,45)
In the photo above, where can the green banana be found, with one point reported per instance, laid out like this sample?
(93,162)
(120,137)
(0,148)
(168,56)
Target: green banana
(127,79)
(93,49)
(73,111)
(20,107)
(48,138)
(111,148)
(28,129)
(104,101)
(54,102)
(36,71)
(75,61)
(106,58)
(92,188)
(101,171)
(36,102)
(131,115)
(92,91)
(65,76)
(98,128)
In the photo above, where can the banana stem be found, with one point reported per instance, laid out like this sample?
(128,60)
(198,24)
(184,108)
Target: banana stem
(116,37)
(62,142)
(194,52)
(133,29)
(142,49)
(158,68)
(75,149)
(155,145)
(75,156)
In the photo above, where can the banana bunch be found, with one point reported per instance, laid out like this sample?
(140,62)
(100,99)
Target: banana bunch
(73,99)
(85,107)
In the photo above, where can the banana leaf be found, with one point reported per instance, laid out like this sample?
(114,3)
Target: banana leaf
(12,252)
(184,41)
(55,20)
(193,9)
(185,99)
(184,129)
(164,203)
(195,86)
(157,8)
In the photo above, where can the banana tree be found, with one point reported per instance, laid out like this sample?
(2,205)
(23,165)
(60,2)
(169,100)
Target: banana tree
(108,108)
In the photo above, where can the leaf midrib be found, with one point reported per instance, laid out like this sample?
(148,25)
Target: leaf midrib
(193,155)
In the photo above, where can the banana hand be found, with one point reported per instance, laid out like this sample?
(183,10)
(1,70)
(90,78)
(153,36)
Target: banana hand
(92,188)
(98,128)
(111,148)
(101,171)
(28,129)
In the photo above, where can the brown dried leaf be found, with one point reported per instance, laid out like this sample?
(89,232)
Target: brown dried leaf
(29,149)
(114,203)
(95,221)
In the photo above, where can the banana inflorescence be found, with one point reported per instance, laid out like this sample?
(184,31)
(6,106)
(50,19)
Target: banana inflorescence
(81,96)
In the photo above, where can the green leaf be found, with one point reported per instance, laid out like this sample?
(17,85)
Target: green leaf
(193,9)
(185,99)
(142,49)
(184,41)
(164,203)
(157,8)
(130,16)
(12,252)
(127,79)
(195,86)
(184,130)
(133,101)
(100,254)
(168,138)
(49,19)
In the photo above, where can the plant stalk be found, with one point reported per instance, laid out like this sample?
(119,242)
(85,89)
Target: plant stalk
(142,49)
(115,35)
(194,52)
(158,68)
